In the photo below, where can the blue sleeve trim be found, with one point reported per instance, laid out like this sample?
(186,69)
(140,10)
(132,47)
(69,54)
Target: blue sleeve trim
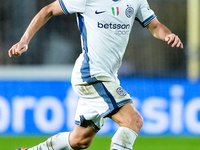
(147,21)
(63,7)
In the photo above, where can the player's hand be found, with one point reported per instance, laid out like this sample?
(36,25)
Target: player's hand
(174,40)
(17,49)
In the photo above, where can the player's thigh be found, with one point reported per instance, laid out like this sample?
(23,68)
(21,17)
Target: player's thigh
(128,116)
(81,136)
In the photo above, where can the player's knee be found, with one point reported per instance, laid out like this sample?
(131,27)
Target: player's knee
(134,122)
(85,143)
(81,146)
(138,121)
(81,143)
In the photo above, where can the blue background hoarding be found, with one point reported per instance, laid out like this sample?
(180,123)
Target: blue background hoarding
(168,106)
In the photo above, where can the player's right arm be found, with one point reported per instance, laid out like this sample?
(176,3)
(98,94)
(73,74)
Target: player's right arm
(37,22)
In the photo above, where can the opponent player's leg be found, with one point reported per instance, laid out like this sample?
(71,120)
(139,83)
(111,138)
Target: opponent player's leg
(130,122)
(79,138)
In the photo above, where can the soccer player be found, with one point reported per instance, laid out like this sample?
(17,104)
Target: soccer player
(105,26)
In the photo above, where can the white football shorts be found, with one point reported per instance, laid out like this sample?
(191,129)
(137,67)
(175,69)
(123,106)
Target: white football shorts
(97,100)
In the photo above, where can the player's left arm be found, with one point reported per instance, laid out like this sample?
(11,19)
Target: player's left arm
(159,31)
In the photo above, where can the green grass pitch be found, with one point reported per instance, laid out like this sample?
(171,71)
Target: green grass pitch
(103,143)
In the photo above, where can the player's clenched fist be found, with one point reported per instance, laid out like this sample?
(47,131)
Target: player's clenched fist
(17,49)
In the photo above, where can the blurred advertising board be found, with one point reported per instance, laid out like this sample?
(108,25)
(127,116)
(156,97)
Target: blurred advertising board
(168,106)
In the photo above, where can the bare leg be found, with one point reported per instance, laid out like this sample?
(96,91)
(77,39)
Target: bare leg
(81,137)
(127,116)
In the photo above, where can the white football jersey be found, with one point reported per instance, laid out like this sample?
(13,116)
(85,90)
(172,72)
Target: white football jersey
(105,26)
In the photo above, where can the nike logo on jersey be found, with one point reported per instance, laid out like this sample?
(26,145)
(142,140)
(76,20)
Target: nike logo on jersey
(99,12)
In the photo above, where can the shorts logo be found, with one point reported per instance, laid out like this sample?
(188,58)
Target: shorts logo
(129,11)
(121,91)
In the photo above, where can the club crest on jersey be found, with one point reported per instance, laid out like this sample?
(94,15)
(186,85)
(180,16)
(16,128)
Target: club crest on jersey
(121,91)
(129,11)
(115,11)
